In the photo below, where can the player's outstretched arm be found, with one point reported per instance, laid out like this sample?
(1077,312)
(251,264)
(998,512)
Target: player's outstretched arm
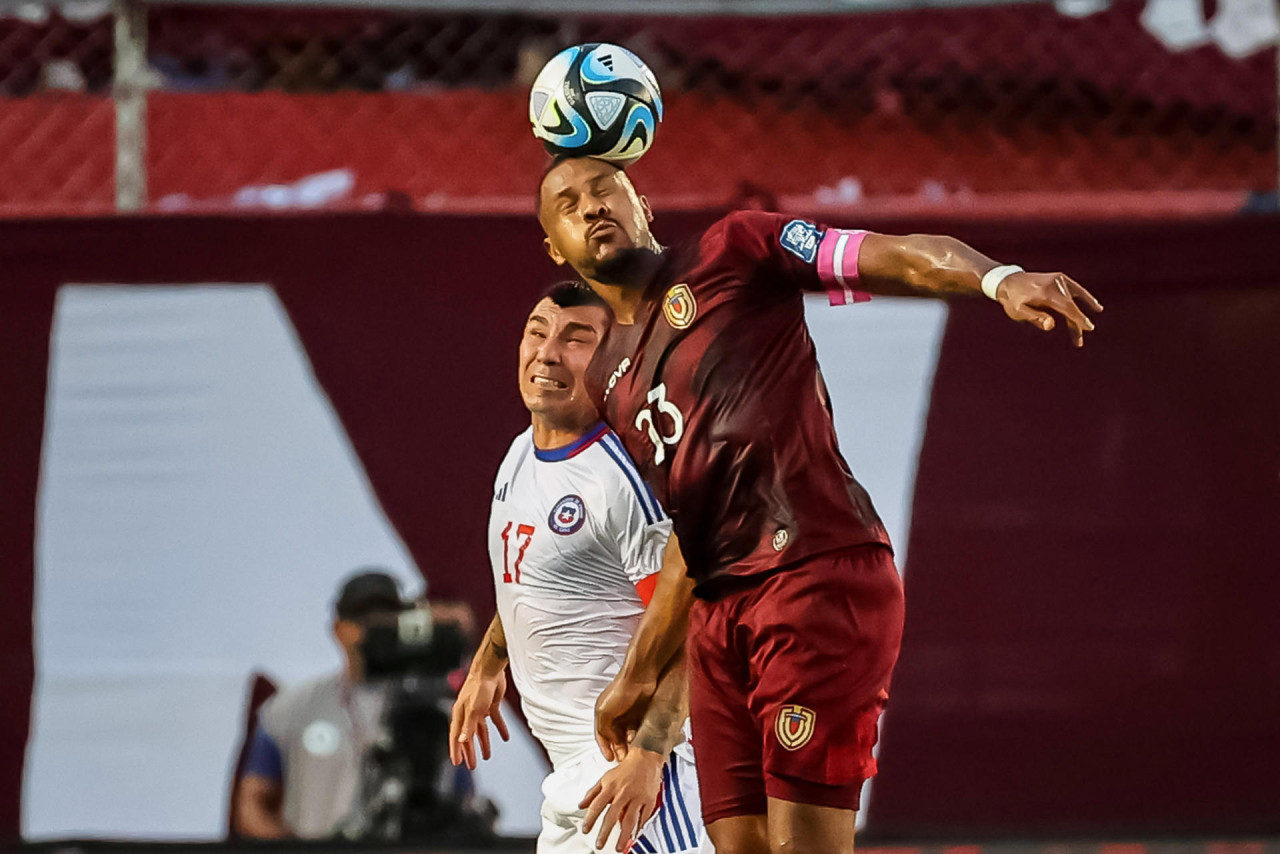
(480,699)
(930,265)
(627,795)
(622,705)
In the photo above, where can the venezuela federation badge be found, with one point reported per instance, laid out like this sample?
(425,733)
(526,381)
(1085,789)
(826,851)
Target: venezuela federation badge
(679,306)
(794,726)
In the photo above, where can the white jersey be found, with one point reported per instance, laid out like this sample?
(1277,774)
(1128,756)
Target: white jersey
(571,532)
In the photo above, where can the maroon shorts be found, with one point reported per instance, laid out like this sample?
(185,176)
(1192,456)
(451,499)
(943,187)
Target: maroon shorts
(788,677)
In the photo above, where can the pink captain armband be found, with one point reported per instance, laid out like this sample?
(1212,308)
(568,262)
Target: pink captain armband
(838,265)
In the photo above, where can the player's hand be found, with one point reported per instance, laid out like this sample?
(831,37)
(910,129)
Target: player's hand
(620,709)
(1036,297)
(479,700)
(627,795)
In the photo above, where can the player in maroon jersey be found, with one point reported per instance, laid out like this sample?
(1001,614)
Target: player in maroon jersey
(792,603)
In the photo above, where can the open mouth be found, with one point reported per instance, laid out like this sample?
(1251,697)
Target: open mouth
(549,383)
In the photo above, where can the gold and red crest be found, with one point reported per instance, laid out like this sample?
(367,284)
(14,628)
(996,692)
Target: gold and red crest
(679,306)
(794,726)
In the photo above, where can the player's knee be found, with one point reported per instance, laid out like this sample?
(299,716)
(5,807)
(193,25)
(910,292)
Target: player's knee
(810,843)
(806,829)
(739,835)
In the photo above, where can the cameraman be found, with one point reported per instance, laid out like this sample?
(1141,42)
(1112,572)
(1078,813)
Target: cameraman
(303,772)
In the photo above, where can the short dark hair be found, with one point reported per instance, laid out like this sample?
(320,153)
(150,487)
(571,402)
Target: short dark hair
(556,160)
(572,293)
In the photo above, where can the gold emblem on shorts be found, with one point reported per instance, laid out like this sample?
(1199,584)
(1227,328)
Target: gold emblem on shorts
(780,539)
(794,726)
(679,306)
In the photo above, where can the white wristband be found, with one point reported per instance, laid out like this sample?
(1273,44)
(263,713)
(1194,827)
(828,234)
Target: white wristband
(991,281)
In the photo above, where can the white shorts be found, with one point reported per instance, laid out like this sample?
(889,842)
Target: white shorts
(676,828)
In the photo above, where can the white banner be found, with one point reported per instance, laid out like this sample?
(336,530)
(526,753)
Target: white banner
(199,504)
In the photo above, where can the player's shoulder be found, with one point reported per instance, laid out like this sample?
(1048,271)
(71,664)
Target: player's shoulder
(753,235)
(605,457)
(520,447)
(738,225)
(618,479)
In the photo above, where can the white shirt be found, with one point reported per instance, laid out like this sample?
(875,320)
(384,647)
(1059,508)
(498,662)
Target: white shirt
(571,532)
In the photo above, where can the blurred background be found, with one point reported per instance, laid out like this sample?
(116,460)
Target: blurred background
(263,266)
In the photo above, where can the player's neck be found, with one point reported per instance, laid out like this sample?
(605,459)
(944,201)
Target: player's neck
(625,294)
(549,434)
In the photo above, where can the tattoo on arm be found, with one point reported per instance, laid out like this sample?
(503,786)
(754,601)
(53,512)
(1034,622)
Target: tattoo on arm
(663,724)
(492,656)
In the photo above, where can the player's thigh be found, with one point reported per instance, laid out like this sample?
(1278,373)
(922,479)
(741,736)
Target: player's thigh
(825,638)
(676,828)
(562,790)
(795,828)
(561,834)
(726,736)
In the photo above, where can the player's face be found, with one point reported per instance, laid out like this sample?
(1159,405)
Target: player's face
(557,346)
(591,212)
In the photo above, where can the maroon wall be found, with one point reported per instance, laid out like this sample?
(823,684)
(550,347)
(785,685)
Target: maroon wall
(1092,640)
(1091,566)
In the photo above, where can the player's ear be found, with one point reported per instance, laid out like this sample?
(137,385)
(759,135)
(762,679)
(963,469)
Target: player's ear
(648,212)
(553,251)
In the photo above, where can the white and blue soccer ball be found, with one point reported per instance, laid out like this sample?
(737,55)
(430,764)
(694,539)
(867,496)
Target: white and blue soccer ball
(596,100)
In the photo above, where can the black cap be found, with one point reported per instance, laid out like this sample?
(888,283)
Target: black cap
(368,592)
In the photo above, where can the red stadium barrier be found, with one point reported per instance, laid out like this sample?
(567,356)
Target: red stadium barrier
(1000,108)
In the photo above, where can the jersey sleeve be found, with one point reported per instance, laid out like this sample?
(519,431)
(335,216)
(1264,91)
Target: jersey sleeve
(634,519)
(805,254)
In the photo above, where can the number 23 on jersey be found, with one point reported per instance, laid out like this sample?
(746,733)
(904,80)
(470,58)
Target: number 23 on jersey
(646,421)
(523,536)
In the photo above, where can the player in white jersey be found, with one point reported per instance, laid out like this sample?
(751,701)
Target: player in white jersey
(576,540)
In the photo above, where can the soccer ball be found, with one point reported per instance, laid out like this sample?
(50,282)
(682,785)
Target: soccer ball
(596,100)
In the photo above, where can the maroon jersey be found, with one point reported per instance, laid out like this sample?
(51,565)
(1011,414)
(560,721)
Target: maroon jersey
(716,394)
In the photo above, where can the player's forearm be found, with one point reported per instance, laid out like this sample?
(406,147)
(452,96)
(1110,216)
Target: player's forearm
(662,629)
(491,658)
(920,265)
(663,725)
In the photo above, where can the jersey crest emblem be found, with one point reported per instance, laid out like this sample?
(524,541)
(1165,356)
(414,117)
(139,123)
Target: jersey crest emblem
(567,515)
(794,726)
(801,238)
(679,306)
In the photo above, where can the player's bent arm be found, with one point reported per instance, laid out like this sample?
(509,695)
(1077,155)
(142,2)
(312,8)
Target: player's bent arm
(920,265)
(260,808)
(628,793)
(937,266)
(480,699)
(666,619)
(622,705)
(491,658)
(663,725)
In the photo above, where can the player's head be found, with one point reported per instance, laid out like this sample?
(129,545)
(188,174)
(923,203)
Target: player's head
(560,337)
(594,219)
